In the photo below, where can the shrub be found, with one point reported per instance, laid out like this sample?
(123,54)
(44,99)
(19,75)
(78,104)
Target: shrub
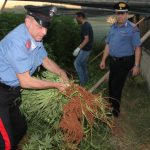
(63,37)
(9,21)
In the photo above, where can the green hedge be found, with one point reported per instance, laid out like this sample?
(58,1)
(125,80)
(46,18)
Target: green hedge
(9,21)
(63,37)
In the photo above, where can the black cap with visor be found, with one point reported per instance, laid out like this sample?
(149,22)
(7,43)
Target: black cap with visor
(42,14)
(121,7)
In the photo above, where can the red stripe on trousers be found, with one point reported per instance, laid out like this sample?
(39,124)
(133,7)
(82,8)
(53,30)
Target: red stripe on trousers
(4,135)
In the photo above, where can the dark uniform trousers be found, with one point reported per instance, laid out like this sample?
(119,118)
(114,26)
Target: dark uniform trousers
(119,69)
(13,125)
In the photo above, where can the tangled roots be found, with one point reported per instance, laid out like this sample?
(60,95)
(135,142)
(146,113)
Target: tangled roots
(81,104)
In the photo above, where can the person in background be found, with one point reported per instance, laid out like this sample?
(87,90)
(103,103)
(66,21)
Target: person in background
(21,52)
(83,51)
(123,47)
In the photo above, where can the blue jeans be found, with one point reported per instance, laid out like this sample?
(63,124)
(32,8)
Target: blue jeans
(80,64)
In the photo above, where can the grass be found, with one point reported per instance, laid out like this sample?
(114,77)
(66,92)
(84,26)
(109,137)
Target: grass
(135,112)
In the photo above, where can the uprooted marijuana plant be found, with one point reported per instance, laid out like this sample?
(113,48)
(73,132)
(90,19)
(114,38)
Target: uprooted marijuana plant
(63,120)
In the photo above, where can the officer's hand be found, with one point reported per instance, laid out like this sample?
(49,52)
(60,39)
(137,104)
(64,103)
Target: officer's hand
(102,65)
(64,77)
(135,70)
(62,86)
(76,51)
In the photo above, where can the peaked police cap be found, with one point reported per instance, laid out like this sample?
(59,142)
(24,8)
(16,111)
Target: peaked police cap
(121,7)
(42,14)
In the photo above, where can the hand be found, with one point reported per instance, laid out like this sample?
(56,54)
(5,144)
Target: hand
(135,70)
(76,51)
(102,65)
(62,86)
(64,77)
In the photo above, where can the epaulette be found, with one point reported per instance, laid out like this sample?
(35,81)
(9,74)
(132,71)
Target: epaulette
(135,28)
(132,24)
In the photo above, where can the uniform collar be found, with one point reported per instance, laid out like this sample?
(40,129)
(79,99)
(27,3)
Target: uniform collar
(34,44)
(123,25)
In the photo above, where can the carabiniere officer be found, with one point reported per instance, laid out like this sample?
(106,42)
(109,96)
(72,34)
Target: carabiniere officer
(21,52)
(123,47)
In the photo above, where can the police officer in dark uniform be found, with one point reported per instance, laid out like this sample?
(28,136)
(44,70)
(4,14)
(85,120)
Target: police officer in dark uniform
(21,52)
(123,47)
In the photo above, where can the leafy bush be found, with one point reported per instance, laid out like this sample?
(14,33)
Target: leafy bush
(63,37)
(9,21)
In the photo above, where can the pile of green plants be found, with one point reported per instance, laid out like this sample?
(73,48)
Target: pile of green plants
(44,109)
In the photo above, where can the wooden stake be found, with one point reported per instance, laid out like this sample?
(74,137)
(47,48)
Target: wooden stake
(106,76)
(97,56)
(145,37)
(139,21)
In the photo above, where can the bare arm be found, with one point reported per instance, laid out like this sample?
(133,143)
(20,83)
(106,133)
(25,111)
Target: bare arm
(50,65)
(26,81)
(85,41)
(105,55)
(136,67)
(138,56)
